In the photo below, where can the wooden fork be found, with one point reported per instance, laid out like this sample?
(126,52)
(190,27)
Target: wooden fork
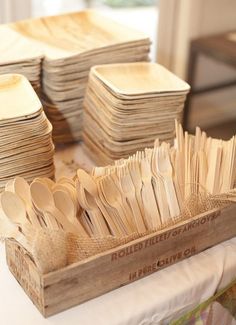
(159,189)
(165,171)
(151,208)
(129,192)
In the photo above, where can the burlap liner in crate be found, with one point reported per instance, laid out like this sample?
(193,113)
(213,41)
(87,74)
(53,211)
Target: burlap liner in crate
(54,249)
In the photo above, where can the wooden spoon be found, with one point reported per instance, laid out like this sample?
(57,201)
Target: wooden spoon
(65,204)
(9,186)
(44,202)
(65,180)
(50,183)
(22,189)
(68,188)
(91,187)
(13,208)
(87,201)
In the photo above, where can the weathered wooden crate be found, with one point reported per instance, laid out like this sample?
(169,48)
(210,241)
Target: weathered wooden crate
(87,279)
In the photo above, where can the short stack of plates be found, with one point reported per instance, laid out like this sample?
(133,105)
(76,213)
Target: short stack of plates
(72,44)
(26,135)
(17,55)
(128,106)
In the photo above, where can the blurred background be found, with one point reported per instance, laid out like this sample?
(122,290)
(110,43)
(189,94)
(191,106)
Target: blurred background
(209,65)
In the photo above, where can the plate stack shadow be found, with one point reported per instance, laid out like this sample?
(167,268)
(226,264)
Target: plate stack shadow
(26,135)
(72,44)
(128,106)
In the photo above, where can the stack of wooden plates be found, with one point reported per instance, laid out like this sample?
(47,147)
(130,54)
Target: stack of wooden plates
(72,44)
(17,55)
(26,142)
(128,106)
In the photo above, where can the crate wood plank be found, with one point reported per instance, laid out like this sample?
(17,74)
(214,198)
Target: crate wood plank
(104,272)
(26,273)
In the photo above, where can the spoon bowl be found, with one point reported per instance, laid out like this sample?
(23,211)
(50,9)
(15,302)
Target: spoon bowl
(13,207)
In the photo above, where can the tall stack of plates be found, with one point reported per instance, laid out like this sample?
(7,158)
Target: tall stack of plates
(72,44)
(26,141)
(17,55)
(128,106)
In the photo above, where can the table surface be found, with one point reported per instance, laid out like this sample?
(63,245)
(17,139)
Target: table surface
(156,299)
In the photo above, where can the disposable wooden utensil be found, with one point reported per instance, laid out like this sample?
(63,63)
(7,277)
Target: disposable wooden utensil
(88,202)
(152,213)
(60,187)
(41,180)
(159,189)
(197,142)
(135,173)
(65,204)
(128,190)
(181,138)
(9,186)
(233,163)
(194,179)
(114,172)
(203,140)
(13,208)
(114,199)
(212,181)
(69,188)
(179,177)
(44,202)
(88,219)
(72,190)
(49,182)
(203,168)
(228,165)
(65,180)
(157,143)
(98,171)
(91,187)
(22,189)
(165,171)
(86,223)
(229,175)
(49,220)
(188,152)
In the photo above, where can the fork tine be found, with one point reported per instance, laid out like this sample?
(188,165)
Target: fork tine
(143,154)
(140,155)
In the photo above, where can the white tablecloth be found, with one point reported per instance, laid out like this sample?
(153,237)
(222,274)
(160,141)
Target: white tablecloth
(156,299)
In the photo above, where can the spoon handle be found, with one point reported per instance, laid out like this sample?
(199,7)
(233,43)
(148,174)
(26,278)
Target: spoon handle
(109,219)
(81,231)
(66,224)
(50,220)
(99,222)
(33,217)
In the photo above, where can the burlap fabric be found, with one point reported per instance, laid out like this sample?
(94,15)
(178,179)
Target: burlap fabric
(54,249)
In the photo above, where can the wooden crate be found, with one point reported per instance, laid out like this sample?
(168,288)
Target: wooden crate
(87,279)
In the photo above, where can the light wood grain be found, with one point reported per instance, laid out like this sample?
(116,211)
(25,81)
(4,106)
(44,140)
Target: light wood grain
(74,284)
